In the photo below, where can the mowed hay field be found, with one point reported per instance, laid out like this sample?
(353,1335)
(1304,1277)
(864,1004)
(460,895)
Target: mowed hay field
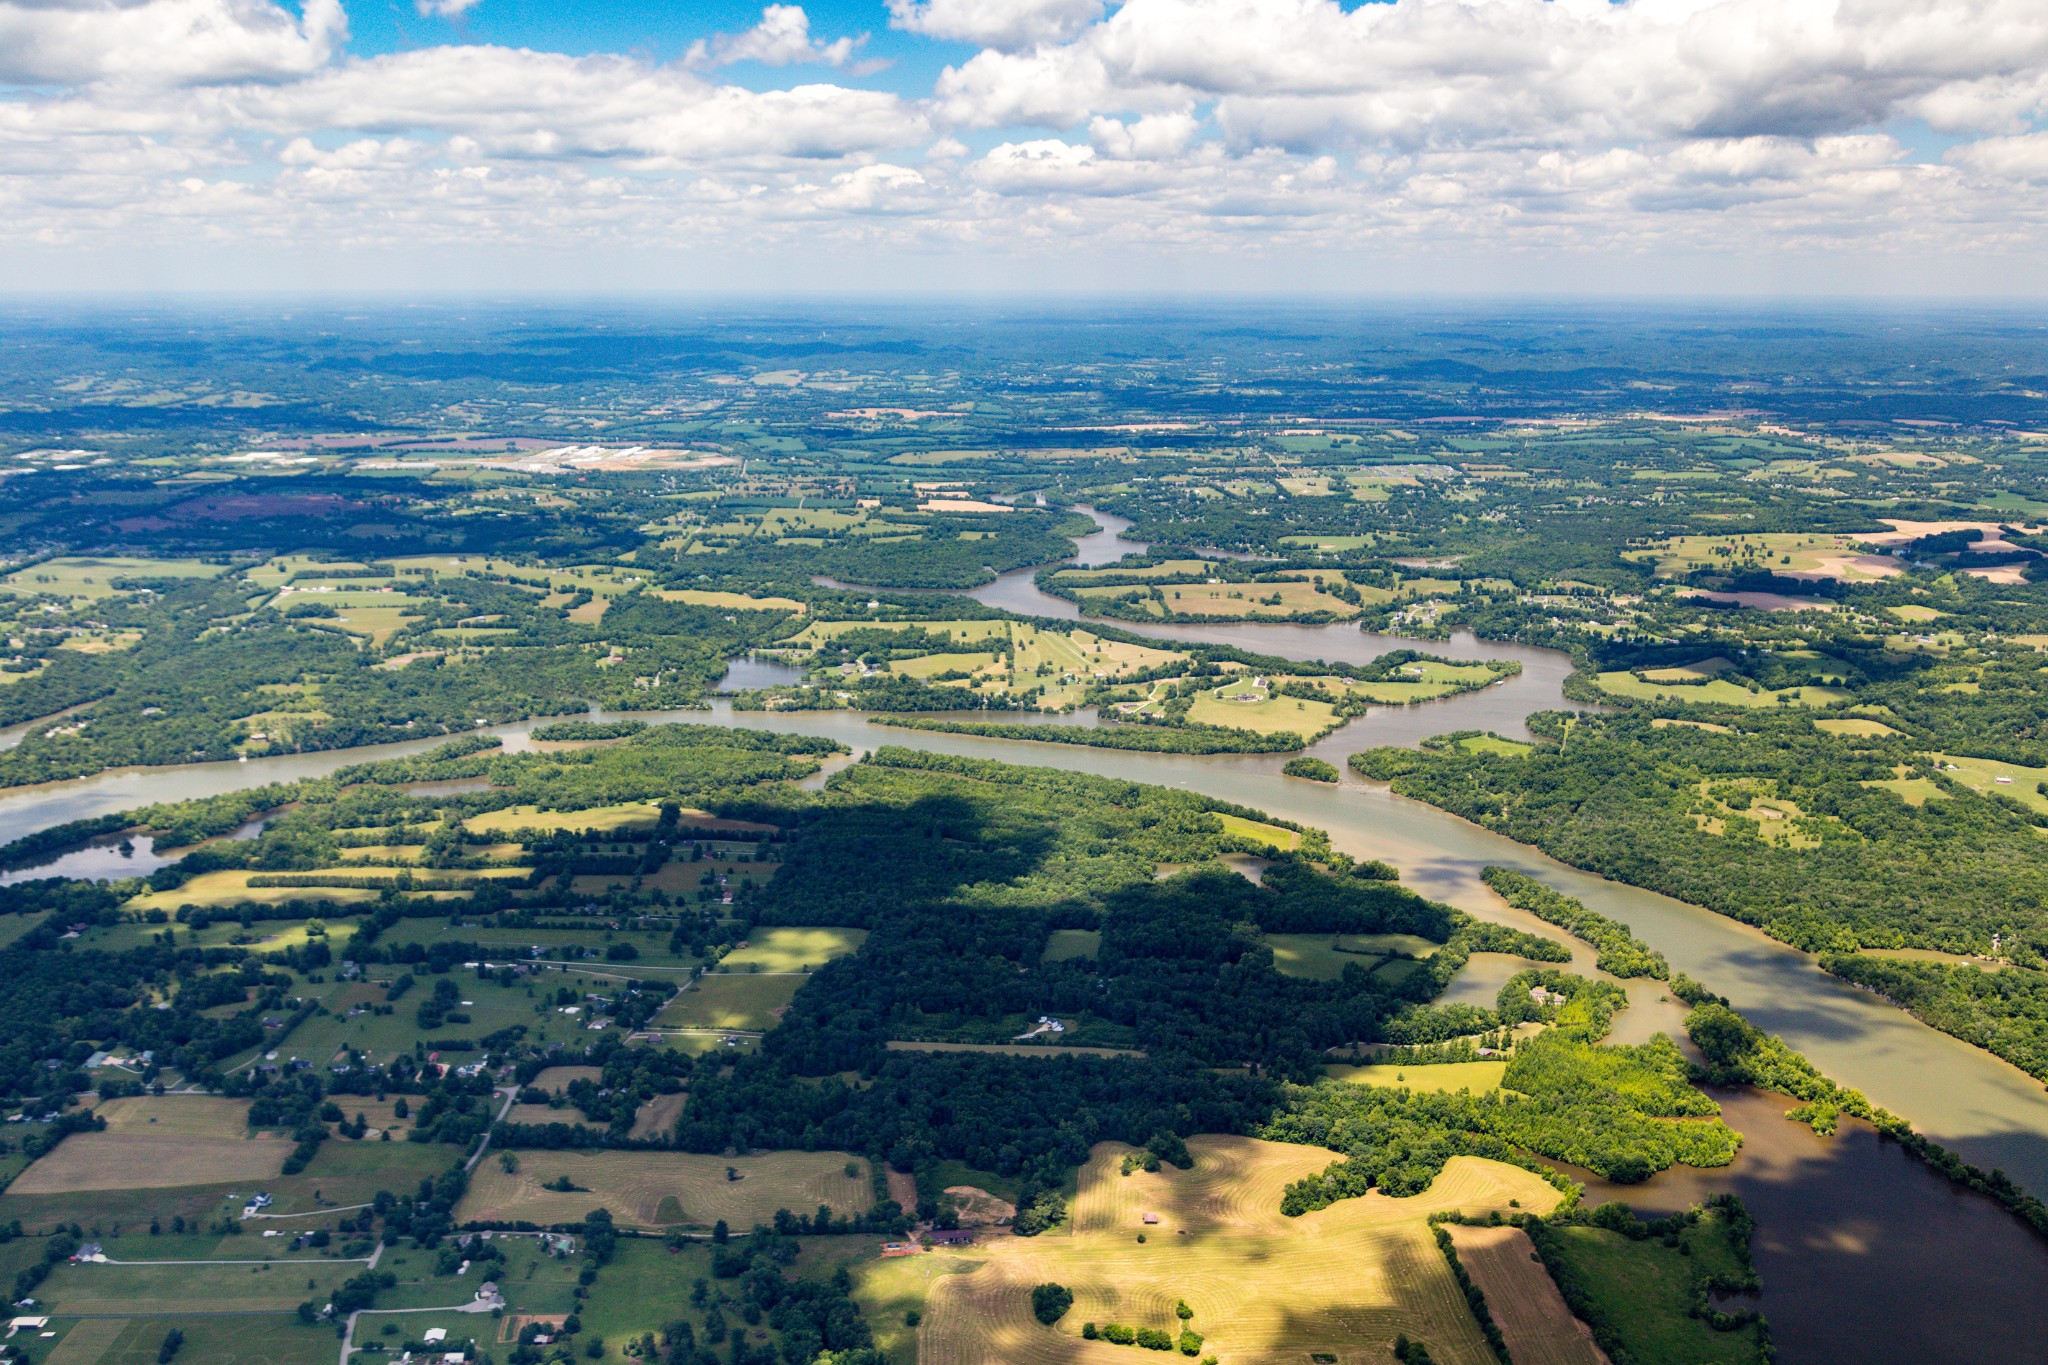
(177,1116)
(1341,1282)
(141,1160)
(666,1189)
(189,1287)
(1523,1299)
(217,1341)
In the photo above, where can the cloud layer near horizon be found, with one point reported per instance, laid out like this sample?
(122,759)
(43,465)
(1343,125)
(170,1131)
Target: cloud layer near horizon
(1267,126)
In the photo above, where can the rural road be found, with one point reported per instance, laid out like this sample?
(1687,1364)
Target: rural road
(484,1143)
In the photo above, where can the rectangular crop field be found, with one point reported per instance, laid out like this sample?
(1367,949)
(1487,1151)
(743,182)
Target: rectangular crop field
(1341,1283)
(189,1287)
(177,1116)
(136,1161)
(666,1189)
(1523,1299)
(750,1003)
(279,1340)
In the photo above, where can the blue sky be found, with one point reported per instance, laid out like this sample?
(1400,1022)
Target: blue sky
(1459,146)
(658,31)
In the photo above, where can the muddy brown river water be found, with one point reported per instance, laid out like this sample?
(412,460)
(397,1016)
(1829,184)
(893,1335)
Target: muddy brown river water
(1866,1255)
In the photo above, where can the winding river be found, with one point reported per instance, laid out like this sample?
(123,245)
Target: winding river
(1990,1112)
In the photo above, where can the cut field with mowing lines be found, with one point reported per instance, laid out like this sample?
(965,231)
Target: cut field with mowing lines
(176,1116)
(636,1185)
(341,1173)
(1342,1282)
(140,1161)
(1523,1299)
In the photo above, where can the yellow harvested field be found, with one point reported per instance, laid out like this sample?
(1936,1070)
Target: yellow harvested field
(1523,1299)
(1250,600)
(232,888)
(1340,1283)
(1478,1077)
(1244,707)
(666,1189)
(177,1116)
(1855,727)
(630,815)
(698,597)
(792,950)
(1788,554)
(962,505)
(141,1161)
(1259,831)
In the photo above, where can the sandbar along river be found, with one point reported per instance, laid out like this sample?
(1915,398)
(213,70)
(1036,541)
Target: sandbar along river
(1844,1242)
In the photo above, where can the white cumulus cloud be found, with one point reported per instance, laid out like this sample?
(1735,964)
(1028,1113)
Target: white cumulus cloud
(67,42)
(782,38)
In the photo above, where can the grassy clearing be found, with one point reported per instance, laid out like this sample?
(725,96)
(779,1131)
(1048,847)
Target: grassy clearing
(1327,544)
(1993,778)
(1480,1078)
(792,950)
(752,1003)
(1494,744)
(1344,1281)
(1066,944)
(1716,692)
(1323,957)
(1854,727)
(90,579)
(1522,1298)
(1240,706)
(659,1189)
(1644,1289)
